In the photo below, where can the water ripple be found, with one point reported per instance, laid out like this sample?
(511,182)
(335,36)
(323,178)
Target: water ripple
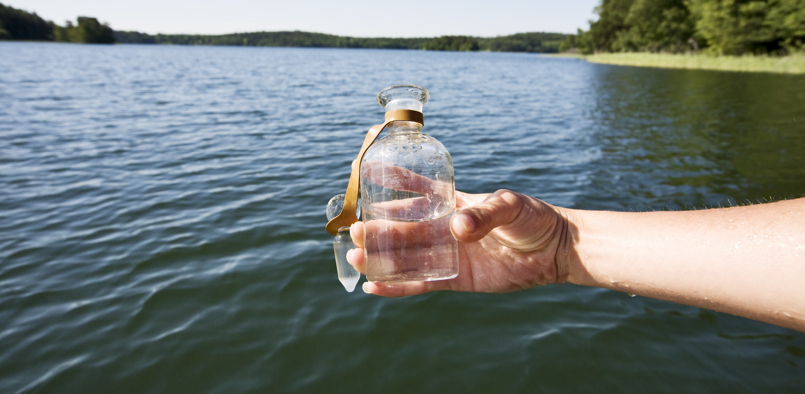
(161,220)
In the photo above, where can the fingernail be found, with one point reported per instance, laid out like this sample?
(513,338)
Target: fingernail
(465,222)
(365,288)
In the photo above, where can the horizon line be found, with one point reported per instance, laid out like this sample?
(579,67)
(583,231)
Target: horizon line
(331,34)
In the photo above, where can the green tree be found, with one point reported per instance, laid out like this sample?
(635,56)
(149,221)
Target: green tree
(656,25)
(133,37)
(718,22)
(62,34)
(21,25)
(787,20)
(612,16)
(452,43)
(569,43)
(88,31)
(538,42)
(735,27)
(584,42)
(723,27)
(4,34)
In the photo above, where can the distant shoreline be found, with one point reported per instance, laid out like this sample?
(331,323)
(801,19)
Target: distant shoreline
(535,42)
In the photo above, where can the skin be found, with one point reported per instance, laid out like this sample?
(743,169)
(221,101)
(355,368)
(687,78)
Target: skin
(748,261)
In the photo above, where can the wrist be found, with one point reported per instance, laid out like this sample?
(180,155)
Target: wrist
(569,263)
(567,234)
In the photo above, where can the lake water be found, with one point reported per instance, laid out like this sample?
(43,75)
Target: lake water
(162,220)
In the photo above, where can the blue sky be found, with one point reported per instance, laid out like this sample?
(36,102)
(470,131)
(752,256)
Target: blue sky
(359,18)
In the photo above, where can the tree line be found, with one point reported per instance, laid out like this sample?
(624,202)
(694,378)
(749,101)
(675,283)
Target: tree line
(523,42)
(21,25)
(273,39)
(719,27)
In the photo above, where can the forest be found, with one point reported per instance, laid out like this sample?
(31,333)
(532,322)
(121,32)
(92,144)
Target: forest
(716,27)
(21,25)
(523,42)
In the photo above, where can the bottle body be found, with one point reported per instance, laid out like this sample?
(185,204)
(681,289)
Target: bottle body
(407,200)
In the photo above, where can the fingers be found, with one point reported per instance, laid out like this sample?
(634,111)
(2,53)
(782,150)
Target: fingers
(399,209)
(408,238)
(402,179)
(393,177)
(356,233)
(357,258)
(475,222)
(404,289)
(464,200)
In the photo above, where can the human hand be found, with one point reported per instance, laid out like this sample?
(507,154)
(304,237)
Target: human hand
(507,242)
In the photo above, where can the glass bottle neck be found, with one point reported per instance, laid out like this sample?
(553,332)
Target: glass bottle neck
(404,128)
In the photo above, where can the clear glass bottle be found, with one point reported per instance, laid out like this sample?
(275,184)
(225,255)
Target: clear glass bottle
(408,198)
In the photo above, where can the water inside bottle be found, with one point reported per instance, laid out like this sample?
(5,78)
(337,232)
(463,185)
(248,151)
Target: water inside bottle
(413,247)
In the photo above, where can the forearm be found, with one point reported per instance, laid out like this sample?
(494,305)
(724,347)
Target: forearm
(748,261)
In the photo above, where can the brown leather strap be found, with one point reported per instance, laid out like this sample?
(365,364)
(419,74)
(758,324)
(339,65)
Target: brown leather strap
(348,213)
(407,115)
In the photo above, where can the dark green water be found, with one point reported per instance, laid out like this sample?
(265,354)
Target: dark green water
(162,220)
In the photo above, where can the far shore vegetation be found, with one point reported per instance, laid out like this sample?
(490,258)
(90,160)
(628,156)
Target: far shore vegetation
(735,35)
(738,35)
(727,35)
(17,24)
(715,27)
(523,42)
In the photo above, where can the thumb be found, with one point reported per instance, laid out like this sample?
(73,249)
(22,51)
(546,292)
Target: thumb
(475,222)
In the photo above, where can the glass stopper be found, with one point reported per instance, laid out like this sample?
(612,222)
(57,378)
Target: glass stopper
(403,97)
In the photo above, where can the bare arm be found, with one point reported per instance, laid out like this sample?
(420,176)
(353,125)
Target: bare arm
(748,261)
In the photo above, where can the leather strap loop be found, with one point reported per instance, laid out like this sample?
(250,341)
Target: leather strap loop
(406,115)
(348,213)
